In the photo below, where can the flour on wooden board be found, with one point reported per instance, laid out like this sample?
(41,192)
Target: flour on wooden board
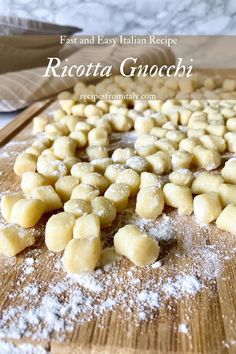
(57,307)
(68,300)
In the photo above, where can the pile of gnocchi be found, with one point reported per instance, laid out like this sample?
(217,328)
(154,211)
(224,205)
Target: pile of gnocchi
(176,160)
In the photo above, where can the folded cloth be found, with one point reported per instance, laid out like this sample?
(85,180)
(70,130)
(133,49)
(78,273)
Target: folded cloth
(20,88)
(21,26)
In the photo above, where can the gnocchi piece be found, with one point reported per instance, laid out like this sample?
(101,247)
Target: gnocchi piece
(215,119)
(208,159)
(95,152)
(78,207)
(145,145)
(83,126)
(34,150)
(82,254)
(231,124)
(39,124)
(69,162)
(59,114)
(64,95)
(218,130)
(104,124)
(120,123)
(118,193)
(175,136)
(146,150)
(145,140)
(139,247)
(97,180)
(66,104)
(159,118)
(56,129)
(181,159)
(160,162)
(14,239)
(209,83)
(103,105)
(104,209)
(70,122)
(170,126)
(206,182)
(101,164)
(227,194)
(48,152)
(155,105)
(92,110)
(186,85)
(206,207)
(179,197)
(7,202)
(181,177)
(59,231)
(229,85)
(150,202)
(227,112)
(121,155)
(64,147)
(230,139)
(195,133)
(27,212)
(229,171)
(119,110)
(25,162)
(148,179)
(143,125)
(131,178)
(65,185)
(51,168)
(138,164)
(78,110)
(166,145)
(85,192)
(159,132)
(87,226)
(31,180)
(98,137)
(140,105)
(42,143)
(213,142)
(112,171)
(80,137)
(197,124)
(184,116)
(48,196)
(189,144)
(226,219)
(82,169)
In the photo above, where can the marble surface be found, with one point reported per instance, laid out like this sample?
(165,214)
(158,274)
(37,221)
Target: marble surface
(189,17)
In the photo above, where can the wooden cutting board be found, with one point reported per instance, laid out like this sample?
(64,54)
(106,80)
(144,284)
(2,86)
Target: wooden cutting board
(209,314)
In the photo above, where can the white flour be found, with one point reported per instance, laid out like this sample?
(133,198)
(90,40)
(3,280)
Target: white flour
(183,328)
(9,348)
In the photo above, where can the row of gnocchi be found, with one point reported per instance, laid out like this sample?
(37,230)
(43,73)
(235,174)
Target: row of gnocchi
(85,210)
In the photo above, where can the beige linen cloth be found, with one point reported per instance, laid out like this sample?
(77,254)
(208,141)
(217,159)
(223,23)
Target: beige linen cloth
(19,88)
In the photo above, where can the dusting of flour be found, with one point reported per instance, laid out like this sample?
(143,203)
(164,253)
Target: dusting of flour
(187,265)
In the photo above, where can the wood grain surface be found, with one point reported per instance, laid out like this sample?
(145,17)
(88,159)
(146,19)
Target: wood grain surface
(210,314)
